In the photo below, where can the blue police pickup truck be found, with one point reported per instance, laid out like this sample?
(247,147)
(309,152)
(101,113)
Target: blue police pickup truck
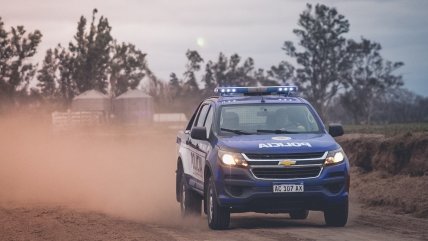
(260,149)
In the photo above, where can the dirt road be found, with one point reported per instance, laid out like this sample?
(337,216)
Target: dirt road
(119,185)
(60,223)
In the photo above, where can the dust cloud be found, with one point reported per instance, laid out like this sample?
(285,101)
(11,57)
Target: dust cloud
(128,172)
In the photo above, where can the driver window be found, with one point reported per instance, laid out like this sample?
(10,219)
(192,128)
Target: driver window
(202,115)
(191,121)
(209,121)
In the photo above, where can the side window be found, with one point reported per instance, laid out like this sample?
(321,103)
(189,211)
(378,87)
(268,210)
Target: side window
(209,120)
(193,120)
(202,115)
(190,124)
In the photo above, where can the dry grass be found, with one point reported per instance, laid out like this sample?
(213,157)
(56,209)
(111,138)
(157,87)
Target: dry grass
(388,129)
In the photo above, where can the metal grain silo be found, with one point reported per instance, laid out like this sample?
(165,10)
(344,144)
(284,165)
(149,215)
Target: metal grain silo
(134,106)
(92,101)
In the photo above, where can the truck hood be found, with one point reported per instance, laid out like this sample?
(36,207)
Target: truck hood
(271,144)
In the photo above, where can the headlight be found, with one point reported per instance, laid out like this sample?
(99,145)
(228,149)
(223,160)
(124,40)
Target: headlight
(232,159)
(334,157)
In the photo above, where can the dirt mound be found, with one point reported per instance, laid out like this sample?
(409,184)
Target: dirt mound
(401,194)
(402,154)
(390,173)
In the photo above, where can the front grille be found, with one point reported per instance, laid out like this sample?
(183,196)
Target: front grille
(286,172)
(312,155)
(275,163)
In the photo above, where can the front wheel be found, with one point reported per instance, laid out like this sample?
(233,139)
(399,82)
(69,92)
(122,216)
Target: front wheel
(218,217)
(190,201)
(337,216)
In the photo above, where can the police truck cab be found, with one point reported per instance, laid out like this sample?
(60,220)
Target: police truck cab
(260,149)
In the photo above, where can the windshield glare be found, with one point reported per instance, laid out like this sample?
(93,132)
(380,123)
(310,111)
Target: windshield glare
(267,118)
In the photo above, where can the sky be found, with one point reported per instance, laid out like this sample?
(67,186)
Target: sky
(252,28)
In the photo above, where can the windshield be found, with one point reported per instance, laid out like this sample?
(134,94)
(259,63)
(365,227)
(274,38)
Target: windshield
(267,118)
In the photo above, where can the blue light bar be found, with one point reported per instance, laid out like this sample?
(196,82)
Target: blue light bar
(262,90)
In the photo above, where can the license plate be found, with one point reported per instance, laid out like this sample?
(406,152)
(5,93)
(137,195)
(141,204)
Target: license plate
(288,188)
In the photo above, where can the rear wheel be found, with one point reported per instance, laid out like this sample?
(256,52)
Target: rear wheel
(190,201)
(337,216)
(299,214)
(218,217)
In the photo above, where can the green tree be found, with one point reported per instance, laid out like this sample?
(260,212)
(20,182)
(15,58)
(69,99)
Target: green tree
(229,72)
(16,47)
(226,71)
(91,53)
(371,79)
(67,88)
(47,75)
(183,92)
(193,65)
(93,60)
(323,62)
(281,74)
(175,86)
(127,68)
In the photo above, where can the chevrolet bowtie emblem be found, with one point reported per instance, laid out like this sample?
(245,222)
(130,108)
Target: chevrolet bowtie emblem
(287,163)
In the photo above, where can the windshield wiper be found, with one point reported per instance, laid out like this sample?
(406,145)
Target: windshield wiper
(279,131)
(239,132)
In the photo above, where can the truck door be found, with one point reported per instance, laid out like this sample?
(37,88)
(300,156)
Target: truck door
(183,141)
(199,149)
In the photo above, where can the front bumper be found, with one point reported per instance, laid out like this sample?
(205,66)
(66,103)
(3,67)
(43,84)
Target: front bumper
(240,190)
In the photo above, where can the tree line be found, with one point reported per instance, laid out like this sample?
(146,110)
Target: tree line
(345,79)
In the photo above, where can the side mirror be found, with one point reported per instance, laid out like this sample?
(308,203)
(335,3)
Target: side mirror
(199,133)
(335,130)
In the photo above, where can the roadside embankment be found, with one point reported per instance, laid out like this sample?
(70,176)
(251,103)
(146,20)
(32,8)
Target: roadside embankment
(392,172)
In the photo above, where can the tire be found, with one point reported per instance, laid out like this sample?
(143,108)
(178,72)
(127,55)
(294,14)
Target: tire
(299,214)
(218,217)
(337,216)
(190,201)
